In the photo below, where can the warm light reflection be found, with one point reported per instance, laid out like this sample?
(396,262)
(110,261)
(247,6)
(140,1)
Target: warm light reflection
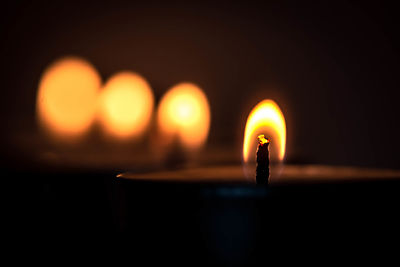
(126,105)
(184,113)
(67,96)
(265,118)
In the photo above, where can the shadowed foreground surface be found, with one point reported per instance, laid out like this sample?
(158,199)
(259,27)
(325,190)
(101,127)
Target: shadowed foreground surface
(64,216)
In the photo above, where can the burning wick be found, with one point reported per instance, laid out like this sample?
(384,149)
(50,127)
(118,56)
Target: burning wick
(262,170)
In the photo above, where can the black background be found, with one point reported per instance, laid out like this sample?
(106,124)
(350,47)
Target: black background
(331,66)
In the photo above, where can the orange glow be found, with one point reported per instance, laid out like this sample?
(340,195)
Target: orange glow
(126,105)
(67,95)
(265,117)
(184,112)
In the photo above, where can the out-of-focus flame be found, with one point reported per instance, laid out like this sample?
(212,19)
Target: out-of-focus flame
(126,105)
(67,95)
(267,118)
(184,113)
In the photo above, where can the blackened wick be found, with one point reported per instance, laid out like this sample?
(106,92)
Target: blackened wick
(262,171)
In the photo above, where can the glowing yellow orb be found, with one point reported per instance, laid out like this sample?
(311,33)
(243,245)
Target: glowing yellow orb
(67,95)
(184,113)
(126,105)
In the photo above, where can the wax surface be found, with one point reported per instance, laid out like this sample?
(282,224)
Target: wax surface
(289,174)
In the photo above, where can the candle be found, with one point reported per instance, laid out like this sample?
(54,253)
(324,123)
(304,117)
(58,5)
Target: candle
(265,117)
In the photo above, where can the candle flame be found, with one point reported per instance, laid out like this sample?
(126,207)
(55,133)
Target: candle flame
(265,117)
(126,105)
(67,95)
(184,113)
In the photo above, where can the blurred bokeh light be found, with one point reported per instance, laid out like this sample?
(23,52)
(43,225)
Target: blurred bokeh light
(184,114)
(126,105)
(67,96)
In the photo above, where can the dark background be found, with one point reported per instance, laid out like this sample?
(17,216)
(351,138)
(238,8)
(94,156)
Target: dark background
(332,66)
